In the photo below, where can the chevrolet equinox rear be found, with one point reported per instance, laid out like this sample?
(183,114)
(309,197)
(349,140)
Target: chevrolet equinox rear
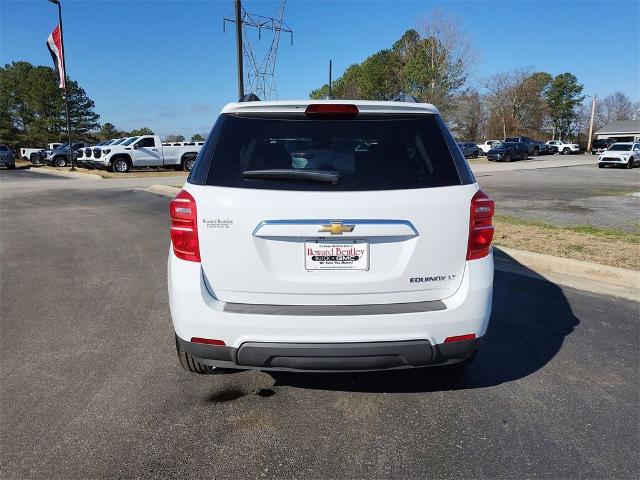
(329,236)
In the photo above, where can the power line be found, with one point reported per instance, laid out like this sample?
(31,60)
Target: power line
(260,73)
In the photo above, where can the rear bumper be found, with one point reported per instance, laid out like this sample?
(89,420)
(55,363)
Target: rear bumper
(331,357)
(196,313)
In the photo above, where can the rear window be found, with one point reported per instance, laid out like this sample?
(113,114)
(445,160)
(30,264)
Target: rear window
(380,153)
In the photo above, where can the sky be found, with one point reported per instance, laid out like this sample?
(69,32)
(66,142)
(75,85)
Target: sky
(168,65)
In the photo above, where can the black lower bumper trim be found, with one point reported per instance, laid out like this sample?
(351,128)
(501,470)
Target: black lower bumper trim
(327,357)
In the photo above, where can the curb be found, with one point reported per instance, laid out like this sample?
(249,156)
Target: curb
(166,190)
(593,277)
(66,174)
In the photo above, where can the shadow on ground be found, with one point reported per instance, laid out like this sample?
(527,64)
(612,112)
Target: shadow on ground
(530,321)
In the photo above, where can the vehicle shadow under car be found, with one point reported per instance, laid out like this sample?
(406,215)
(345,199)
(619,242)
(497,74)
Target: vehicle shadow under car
(529,323)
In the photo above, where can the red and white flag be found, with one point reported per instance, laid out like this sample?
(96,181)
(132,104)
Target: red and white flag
(54,44)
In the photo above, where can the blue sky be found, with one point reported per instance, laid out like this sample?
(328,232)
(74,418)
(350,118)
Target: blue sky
(168,65)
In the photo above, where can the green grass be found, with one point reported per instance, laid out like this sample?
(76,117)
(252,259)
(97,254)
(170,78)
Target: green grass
(611,233)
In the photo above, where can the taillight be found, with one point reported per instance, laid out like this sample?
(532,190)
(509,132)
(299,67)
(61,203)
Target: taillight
(184,227)
(331,110)
(207,341)
(456,338)
(480,227)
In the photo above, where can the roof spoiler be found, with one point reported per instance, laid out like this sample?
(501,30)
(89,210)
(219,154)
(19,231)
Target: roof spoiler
(249,97)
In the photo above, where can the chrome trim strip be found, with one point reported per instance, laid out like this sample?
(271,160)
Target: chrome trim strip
(333,310)
(320,222)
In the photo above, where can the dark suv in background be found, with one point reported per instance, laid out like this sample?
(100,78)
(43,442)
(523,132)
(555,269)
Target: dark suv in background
(470,149)
(532,147)
(599,146)
(507,151)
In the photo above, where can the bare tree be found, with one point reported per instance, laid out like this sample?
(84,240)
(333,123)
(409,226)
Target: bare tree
(612,108)
(470,116)
(446,55)
(516,98)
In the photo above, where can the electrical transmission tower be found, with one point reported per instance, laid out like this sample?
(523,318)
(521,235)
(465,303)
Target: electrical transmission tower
(260,72)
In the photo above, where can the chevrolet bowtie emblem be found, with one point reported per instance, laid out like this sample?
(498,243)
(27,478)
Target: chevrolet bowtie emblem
(337,228)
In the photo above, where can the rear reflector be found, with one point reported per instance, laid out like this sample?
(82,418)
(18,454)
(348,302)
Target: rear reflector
(184,227)
(480,226)
(459,338)
(331,110)
(207,341)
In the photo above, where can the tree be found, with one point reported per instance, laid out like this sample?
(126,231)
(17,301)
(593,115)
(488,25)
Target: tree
(564,95)
(32,106)
(470,116)
(197,138)
(612,108)
(517,102)
(141,131)
(108,131)
(174,138)
(432,65)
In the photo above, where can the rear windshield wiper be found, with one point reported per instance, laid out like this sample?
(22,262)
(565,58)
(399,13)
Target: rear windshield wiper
(322,176)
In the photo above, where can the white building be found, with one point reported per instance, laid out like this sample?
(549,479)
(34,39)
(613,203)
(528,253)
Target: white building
(622,131)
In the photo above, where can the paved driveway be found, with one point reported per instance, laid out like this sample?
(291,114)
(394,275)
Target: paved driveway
(91,388)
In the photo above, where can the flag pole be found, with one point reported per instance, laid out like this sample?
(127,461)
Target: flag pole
(66,97)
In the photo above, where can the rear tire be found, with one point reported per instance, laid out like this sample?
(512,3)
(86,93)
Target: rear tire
(190,364)
(476,154)
(536,152)
(187,163)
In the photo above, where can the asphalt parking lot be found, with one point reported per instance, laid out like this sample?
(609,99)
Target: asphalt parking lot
(577,195)
(91,387)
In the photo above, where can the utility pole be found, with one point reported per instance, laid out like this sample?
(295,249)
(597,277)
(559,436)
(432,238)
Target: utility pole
(260,78)
(593,112)
(239,48)
(66,97)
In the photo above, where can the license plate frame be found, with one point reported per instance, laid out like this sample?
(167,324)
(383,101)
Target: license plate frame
(337,255)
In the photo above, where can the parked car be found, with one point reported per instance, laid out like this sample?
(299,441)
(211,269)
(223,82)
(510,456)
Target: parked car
(543,149)
(276,261)
(600,145)
(60,156)
(145,151)
(565,148)
(532,148)
(507,151)
(470,149)
(7,158)
(486,145)
(622,154)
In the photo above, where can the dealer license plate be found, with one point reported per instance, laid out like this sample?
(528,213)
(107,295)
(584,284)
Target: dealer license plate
(353,255)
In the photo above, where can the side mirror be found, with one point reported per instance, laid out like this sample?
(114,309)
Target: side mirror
(135,146)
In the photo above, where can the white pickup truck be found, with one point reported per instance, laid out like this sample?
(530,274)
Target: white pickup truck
(146,151)
(487,145)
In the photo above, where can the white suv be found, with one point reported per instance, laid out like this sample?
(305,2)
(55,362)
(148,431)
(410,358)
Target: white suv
(564,148)
(329,236)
